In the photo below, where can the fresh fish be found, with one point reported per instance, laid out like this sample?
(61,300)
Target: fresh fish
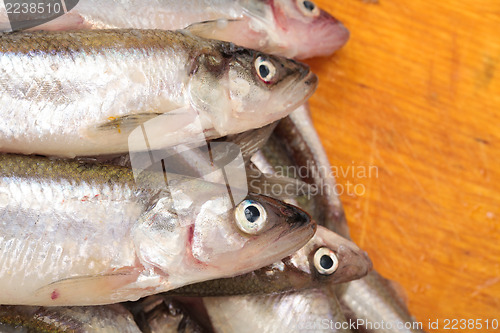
(372,298)
(162,314)
(85,92)
(83,234)
(94,319)
(326,259)
(291,28)
(313,310)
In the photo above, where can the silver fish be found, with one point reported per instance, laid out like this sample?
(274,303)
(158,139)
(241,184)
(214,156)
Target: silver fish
(87,92)
(84,234)
(96,319)
(371,301)
(297,271)
(291,28)
(312,310)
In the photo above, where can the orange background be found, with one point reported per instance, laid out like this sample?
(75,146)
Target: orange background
(416,93)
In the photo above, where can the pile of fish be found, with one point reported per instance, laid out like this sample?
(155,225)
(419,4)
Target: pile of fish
(139,141)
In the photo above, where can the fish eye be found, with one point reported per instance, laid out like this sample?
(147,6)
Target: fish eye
(308,8)
(251,217)
(325,261)
(265,69)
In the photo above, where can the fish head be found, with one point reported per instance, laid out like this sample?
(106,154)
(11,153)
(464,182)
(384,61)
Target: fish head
(296,28)
(206,236)
(267,87)
(242,89)
(256,232)
(330,258)
(238,89)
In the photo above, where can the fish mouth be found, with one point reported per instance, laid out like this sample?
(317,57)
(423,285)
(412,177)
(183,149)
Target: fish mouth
(339,37)
(302,88)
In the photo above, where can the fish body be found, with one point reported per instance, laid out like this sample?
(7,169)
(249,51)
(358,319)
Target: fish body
(372,300)
(313,310)
(38,319)
(291,28)
(85,234)
(85,92)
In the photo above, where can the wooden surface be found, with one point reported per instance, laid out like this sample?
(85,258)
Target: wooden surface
(416,93)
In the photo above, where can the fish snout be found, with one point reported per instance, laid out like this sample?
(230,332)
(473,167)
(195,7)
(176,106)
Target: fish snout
(323,37)
(303,69)
(311,80)
(355,264)
(331,36)
(368,262)
(296,217)
(292,216)
(300,83)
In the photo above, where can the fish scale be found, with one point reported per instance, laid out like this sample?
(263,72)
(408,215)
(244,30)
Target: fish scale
(89,70)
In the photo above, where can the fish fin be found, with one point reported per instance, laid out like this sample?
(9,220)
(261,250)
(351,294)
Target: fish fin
(68,21)
(122,124)
(216,29)
(238,31)
(161,128)
(88,290)
(251,141)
